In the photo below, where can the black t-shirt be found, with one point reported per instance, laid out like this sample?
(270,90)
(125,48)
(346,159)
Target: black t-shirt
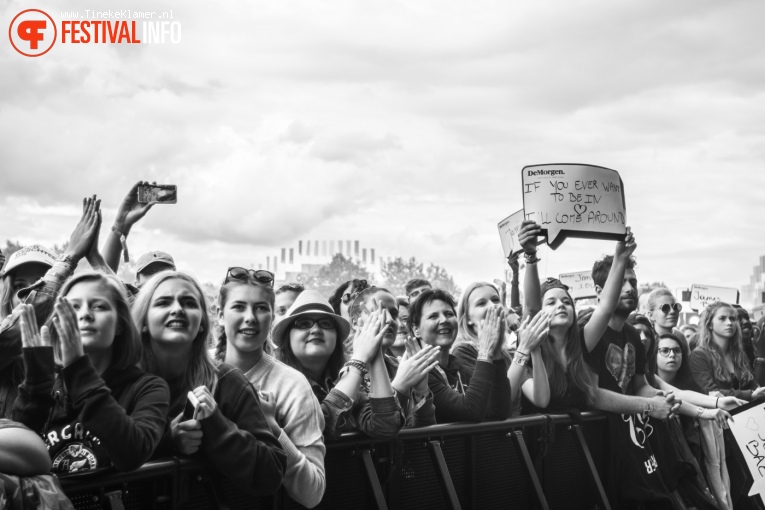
(617,358)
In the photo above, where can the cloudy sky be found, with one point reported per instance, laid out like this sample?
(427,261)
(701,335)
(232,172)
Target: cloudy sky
(402,124)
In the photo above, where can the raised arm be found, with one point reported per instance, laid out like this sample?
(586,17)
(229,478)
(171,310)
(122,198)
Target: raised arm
(128,214)
(531,292)
(531,334)
(609,295)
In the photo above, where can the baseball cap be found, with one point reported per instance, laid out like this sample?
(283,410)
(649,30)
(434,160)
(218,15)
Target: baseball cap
(28,255)
(154,257)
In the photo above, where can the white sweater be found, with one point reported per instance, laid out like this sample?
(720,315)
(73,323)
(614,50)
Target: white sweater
(299,415)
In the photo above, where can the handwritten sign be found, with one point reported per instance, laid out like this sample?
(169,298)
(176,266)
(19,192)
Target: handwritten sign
(748,427)
(703,295)
(573,200)
(508,232)
(580,285)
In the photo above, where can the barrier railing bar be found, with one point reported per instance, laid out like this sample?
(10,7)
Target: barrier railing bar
(519,440)
(374,482)
(442,470)
(577,429)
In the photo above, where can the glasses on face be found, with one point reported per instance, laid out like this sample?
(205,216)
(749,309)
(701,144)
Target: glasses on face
(666,307)
(356,287)
(242,274)
(664,351)
(305,323)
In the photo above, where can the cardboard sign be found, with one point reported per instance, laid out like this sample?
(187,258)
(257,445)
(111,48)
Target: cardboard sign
(580,285)
(573,200)
(703,295)
(748,427)
(508,232)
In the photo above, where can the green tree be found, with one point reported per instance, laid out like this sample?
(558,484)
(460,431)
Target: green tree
(339,270)
(399,271)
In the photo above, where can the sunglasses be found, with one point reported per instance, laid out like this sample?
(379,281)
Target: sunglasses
(666,307)
(305,323)
(664,351)
(356,287)
(242,274)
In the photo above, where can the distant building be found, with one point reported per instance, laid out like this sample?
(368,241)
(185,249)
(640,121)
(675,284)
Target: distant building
(306,258)
(752,293)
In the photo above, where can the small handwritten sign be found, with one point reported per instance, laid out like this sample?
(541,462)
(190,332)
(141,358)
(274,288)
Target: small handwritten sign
(508,232)
(748,428)
(703,295)
(573,200)
(580,285)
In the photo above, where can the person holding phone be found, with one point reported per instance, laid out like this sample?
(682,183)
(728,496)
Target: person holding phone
(229,428)
(98,409)
(246,312)
(310,339)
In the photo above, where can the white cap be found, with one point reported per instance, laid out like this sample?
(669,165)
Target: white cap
(30,254)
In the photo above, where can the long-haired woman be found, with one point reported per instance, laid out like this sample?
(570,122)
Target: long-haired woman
(718,364)
(245,315)
(82,389)
(228,427)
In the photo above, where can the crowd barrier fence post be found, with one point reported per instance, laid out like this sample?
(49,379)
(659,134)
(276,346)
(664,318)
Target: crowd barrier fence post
(442,470)
(517,434)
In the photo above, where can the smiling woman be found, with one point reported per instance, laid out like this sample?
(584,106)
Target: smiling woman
(310,339)
(245,315)
(101,410)
(228,426)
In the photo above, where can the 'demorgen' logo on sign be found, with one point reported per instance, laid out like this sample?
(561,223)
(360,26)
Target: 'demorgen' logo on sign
(33,32)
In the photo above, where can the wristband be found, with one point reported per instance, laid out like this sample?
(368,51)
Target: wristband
(358,365)
(716,401)
(521,359)
(531,258)
(123,241)
(66,259)
(698,413)
(648,410)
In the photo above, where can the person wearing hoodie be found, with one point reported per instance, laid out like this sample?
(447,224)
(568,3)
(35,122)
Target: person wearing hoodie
(82,391)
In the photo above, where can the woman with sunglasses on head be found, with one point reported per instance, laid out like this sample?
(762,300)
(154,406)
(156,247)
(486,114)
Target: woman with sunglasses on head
(82,390)
(227,427)
(409,373)
(246,304)
(310,339)
(718,364)
(433,321)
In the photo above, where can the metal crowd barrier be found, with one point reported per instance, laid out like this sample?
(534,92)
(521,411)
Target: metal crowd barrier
(528,462)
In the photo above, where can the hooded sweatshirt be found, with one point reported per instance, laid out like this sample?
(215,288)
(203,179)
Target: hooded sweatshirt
(89,421)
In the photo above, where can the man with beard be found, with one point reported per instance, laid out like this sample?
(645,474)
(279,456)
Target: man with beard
(618,359)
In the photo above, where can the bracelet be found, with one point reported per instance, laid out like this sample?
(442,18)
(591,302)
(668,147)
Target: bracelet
(358,365)
(648,410)
(716,401)
(521,359)
(66,259)
(699,412)
(531,258)
(123,241)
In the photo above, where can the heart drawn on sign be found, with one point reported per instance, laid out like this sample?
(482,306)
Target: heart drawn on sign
(751,424)
(580,209)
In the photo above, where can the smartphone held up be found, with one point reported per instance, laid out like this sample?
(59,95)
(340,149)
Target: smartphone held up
(158,193)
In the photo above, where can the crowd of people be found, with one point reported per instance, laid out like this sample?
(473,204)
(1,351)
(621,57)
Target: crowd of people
(113,374)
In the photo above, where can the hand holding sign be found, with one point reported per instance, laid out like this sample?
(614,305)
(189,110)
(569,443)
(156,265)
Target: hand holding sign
(509,228)
(571,200)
